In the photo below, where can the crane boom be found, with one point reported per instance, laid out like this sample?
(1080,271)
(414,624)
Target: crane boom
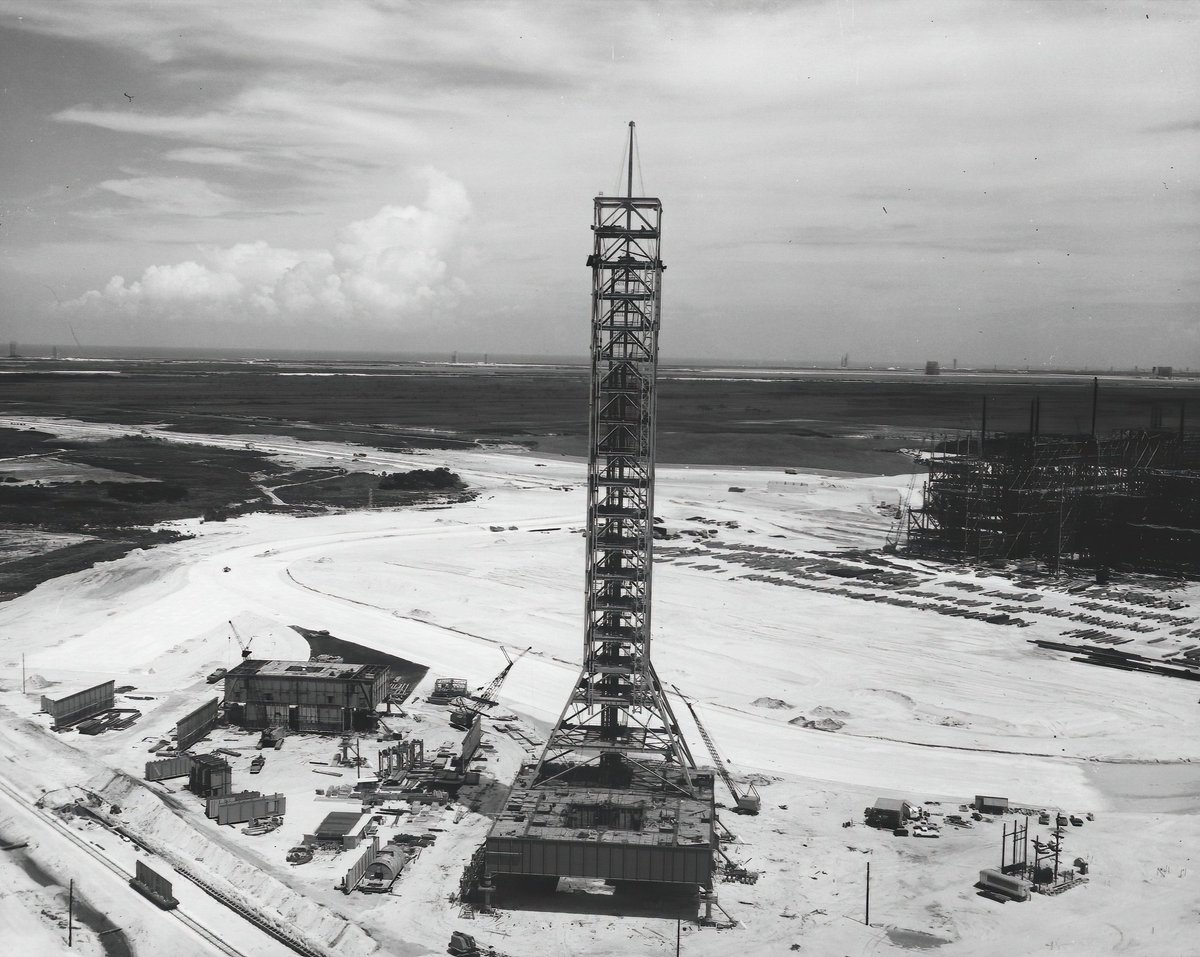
(487,697)
(244,645)
(463,710)
(747,802)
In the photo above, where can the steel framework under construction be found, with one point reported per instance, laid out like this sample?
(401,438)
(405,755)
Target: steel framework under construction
(1131,500)
(616,793)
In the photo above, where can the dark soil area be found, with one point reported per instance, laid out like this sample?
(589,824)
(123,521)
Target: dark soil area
(323,643)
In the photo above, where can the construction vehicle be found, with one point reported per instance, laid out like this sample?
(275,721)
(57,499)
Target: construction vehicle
(257,764)
(745,802)
(462,945)
(465,708)
(244,645)
(272,737)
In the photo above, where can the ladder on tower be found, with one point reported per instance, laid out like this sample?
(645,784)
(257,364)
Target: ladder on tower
(746,802)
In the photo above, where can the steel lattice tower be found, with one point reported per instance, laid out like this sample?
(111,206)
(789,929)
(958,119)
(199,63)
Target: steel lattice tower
(618,716)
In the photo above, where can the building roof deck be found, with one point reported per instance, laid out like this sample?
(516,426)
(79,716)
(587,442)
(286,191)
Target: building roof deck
(303,670)
(664,819)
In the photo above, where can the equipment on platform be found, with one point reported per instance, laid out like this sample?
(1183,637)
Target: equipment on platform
(746,802)
(467,707)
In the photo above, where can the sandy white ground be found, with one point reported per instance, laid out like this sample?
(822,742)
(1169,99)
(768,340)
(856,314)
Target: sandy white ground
(931,707)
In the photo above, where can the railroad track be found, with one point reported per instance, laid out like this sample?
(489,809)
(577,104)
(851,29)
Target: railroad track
(214,940)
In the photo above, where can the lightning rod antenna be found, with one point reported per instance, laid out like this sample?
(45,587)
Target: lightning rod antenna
(630,194)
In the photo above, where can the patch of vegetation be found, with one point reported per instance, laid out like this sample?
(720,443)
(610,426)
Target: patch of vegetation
(183,481)
(364,489)
(15,442)
(421,480)
(24,574)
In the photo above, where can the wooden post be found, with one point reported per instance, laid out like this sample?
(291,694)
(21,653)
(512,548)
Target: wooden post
(867,919)
(71,914)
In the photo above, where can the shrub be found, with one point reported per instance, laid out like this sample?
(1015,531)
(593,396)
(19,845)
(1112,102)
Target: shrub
(420,480)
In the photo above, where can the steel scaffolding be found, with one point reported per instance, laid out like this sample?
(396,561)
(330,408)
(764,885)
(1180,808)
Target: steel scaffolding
(618,715)
(1127,499)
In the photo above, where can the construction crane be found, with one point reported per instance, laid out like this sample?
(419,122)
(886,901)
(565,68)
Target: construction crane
(746,802)
(244,645)
(464,709)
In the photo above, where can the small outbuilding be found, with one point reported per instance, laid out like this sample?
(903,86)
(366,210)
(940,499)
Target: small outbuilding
(209,776)
(889,812)
(986,804)
(344,829)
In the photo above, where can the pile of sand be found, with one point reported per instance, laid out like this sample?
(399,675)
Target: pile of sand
(820,724)
(777,704)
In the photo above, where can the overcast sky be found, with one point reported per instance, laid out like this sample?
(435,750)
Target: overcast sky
(998,182)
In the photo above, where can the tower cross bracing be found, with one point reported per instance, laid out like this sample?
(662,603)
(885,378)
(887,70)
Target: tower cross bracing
(618,714)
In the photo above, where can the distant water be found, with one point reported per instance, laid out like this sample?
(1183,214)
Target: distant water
(213,354)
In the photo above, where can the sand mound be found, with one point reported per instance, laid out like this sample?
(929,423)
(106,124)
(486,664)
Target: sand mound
(777,704)
(37,682)
(820,724)
(824,711)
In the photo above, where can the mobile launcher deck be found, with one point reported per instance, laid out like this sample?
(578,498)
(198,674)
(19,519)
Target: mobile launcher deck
(574,829)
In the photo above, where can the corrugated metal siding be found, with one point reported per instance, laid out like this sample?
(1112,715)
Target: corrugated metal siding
(153,881)
(168,768)
(80,705)
(597,859)
(194,726)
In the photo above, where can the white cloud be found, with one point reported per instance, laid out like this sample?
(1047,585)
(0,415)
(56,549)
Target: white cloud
(396,264)
(182,195)
(210,156)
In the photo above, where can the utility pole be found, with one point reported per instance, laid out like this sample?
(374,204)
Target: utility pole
(71,915)
(867,918)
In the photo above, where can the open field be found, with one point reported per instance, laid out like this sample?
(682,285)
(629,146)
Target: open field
(828,673)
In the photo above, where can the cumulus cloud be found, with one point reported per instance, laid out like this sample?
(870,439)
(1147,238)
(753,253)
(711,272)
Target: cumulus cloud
(398,263)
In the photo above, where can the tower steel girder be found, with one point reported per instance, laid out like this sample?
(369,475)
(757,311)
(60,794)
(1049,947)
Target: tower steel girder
(618,713)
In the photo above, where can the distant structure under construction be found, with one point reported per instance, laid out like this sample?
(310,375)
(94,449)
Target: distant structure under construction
(1128,500)
(616,794)
(305,695)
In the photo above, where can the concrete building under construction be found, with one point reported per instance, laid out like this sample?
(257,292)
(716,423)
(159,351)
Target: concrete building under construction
(1130,499)
(325,697)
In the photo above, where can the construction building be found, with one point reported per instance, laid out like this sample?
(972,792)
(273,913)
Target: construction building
(889,813)
(209,776)
(328,697)
(616,794)
(1131,500)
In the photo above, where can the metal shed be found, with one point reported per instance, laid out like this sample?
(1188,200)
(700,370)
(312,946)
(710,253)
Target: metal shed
(889,812)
